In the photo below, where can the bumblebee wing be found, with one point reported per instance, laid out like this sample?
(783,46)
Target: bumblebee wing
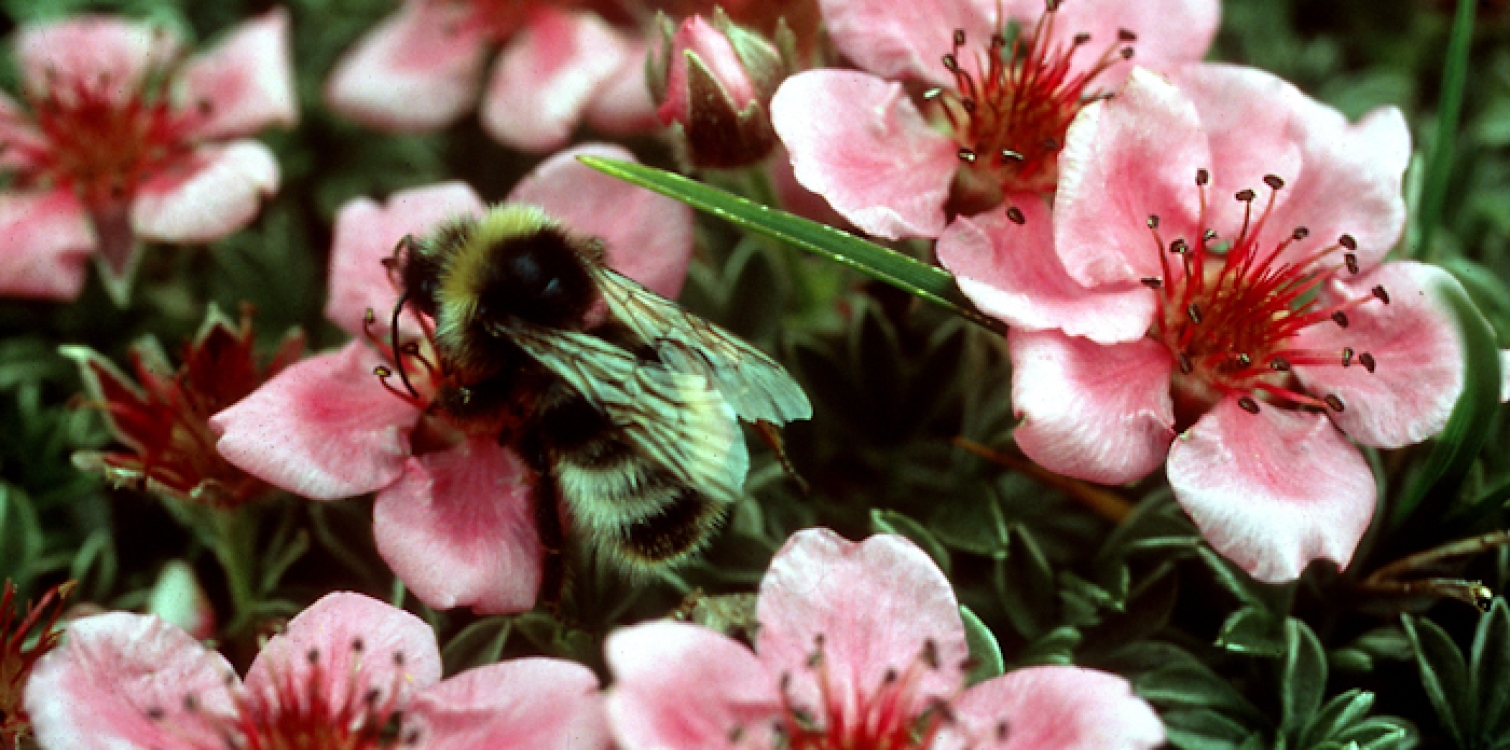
(756,386)
(674,417)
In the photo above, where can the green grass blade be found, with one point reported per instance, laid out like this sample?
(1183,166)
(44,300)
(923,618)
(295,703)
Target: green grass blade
(918,279)
(1439,162)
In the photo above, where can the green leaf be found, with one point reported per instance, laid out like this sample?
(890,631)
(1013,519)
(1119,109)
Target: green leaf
(1337,716)
(985,652)
(1489,673)
(1468,427)
(891,522)
(1056,647)
(1025,583)
(1303,677)
(1253,630)
(20,536)
(1444,676)
(477,644)
(921,280)
(1203,729)
(1439,162)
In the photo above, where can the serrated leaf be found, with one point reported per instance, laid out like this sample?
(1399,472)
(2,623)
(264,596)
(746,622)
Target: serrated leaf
(923,281)
(1468,426)
(891,522)
(1489,674)
(1444,676)
(1303,676)
(985,652)
(1253,630)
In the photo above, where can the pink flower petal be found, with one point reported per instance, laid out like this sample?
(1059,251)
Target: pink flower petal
(859,142)
(25,145)
(366,234)
(648,236)
(95,691)
(1169,32)
(82,48)
(905,41)
(218,196)
(536,703)
(1124,160)
(1272,491)
(1255,124)
(344,645)
(547,75)
(416,71)
(1011,272)
(875,606)
(716,687)
(1064,708)
(324,428)
(623,105)
(459,529)
(45,241)
(247,79)
(1416,347)
(1099,413)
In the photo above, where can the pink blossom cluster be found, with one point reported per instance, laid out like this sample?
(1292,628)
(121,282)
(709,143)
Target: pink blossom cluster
(861,645)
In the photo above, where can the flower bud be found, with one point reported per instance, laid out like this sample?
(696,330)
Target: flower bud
(713,83)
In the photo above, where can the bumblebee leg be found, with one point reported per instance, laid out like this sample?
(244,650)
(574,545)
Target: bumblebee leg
(553,539)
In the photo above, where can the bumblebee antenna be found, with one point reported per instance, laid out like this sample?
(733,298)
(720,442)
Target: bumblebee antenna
(398,356)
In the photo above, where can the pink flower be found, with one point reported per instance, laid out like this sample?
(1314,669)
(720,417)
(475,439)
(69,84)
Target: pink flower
(1263,331)
(123,139)
(860,646)
(994,113)
(421,69)
(454,515)
(349,672)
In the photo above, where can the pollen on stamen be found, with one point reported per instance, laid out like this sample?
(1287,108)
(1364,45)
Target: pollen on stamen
(1367,360)
(1381,294)
(1016,216)
(1248,404)
(1340,318)
(1333,401)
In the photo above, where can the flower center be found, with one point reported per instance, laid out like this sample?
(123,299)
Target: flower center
(1230,316)
(103,137)
(298,709)
(1012,103)
(894,715)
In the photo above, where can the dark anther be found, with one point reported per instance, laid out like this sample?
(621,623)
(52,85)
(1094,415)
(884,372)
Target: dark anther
(998,41)
(1381,294)
(1127,53)
(968,105)
(818,641)
(398,658)
(1273,181)
(1248,404)
(191,704)
(1246,195)
(381,371)
(1352,263)
(357,645)
(1014,214)
(155,713)
(1280,364)
(412,738)
(1347,356)
(1348,242)
(1153,282)
(1123,35)
(1153,221)
(1002,730)
(1051,5)
(967,156)
(1340,318)
(1334,402)
(959,37)
(814,659)
(372,696)
(1179,246)
(931,654)
(312,655)
(736,733)
(890,676)
(1082,38)
(785,682)
(1050,144)
(951,64)
(1208,235)
(1186,366)
(1301,233)
(1194,311)
(1367,360)
(1202,177)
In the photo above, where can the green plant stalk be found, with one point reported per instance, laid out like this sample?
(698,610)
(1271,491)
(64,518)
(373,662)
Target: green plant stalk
(1439,162)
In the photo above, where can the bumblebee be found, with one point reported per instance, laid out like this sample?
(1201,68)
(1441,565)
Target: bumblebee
(625,405)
